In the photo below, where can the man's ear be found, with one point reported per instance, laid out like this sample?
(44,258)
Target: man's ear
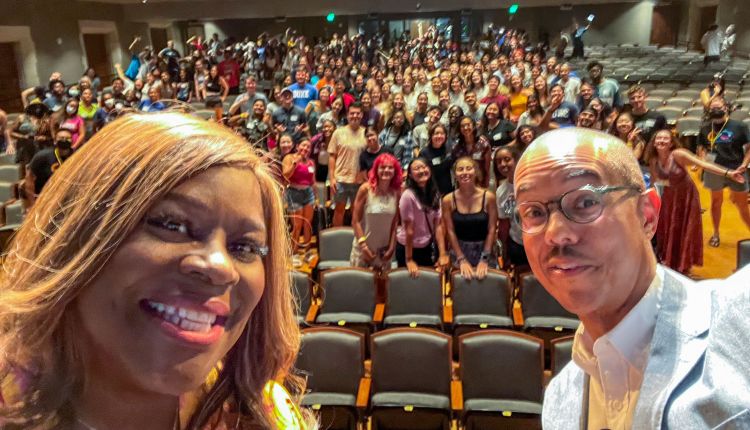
(650,204)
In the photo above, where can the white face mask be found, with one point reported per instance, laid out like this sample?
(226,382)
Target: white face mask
(74,93)
(109,103)
(71,110)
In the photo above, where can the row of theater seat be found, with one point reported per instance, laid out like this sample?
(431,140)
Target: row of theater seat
(412,382)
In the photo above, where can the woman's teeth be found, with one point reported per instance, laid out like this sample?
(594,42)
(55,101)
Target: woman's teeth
(186,319)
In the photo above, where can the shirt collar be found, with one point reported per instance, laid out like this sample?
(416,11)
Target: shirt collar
(631,337)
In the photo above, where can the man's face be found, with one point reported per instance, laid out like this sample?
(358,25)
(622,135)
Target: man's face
(436,85)
(287,99)
(58,88)
(564,72)
(250,85)
(117,86)
(470,99)
(638,100)
(586,119)
(301,76)
(595,73)
(588,268)
(354,116)
(434,116)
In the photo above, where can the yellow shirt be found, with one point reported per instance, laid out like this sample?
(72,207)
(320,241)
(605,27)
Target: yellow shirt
(518,103)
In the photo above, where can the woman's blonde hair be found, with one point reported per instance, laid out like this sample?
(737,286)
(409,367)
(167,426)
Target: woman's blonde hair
(89,207)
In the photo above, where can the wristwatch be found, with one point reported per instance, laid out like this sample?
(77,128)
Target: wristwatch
(484,256)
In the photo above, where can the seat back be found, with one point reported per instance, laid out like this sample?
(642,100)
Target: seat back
(336,243)
(493,295)
(302,288)
(537,302)
(411,360)
(501,364)
(422,295)
(332,358)
(9,173)
(348,290)
(743,253)
(562,350)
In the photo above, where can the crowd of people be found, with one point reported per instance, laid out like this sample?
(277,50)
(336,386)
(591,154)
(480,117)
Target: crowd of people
(419,137)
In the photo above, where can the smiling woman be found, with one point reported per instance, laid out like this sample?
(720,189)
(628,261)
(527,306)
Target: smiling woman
(142,272)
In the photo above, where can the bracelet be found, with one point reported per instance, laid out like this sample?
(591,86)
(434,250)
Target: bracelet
(460,259)
(484,256)
(726,173)
(362,240)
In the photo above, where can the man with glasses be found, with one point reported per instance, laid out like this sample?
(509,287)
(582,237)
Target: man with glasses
(654,349)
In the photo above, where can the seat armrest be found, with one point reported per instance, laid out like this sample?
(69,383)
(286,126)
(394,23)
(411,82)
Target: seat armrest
(457,395)
(377,316)
(312,313)
(363,394)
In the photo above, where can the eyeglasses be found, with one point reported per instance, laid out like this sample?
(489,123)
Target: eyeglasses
(583,205)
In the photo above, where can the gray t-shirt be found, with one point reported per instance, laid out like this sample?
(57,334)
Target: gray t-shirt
(506,205)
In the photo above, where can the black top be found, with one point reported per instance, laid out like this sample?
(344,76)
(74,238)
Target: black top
(290,119)
(367,158)
(649,122)
(441,162)
(728,146)
(41,167)
(471,227)
(501,134)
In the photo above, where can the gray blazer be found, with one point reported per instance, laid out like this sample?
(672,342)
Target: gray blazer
(698,371)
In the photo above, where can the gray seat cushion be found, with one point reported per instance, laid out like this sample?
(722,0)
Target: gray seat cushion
(478,319)
(494,405)
(333,264)
(329,399)
(349,317)
(420,400)
(551,322)
(429,320)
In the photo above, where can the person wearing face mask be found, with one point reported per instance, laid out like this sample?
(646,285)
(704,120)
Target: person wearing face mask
(69,119)
(45,162)
(724,141)
(107,112)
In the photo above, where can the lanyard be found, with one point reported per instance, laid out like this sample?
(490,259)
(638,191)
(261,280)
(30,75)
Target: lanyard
(713,136)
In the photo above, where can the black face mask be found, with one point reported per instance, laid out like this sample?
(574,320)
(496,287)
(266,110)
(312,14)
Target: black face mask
(63,145)
(716,113)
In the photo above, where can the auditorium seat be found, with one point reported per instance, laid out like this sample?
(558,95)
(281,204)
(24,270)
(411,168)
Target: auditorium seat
(688,126)
(411,380)
(303,294)
(333,361)
(347,299)
(743,253)
(414,302)
(561,350)
(335,247)
(482,304)
(10,173)
(501,374)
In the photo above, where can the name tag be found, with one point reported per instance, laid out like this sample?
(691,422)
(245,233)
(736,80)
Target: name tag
(477,156)
(436,161)
(497,136)
(310,169)
(293,118)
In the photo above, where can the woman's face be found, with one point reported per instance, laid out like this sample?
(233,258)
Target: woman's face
(398,119)
(259,107)
(375,95)
(438,137)
(516,82)
(465,173)
(324,95)
(214,71)
(453,115)
(527,136)
(72,107)
(287,81)
(286,144)
(87,96)
(539,84)
(505,163)
(163,327)
(663,140)
(456,85)
(366,101)
(476,77)
(532,103)
(466,126)
(385,172)
(596,105)
(624,124)
(304,148)
(493,84)
(337,105)
(420,172)
(492,111)
(328,129)
(398,101)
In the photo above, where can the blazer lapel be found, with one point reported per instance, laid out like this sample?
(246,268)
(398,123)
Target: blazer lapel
(678,344)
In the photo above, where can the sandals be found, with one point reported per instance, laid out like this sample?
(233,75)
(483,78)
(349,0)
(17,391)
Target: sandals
(714,241)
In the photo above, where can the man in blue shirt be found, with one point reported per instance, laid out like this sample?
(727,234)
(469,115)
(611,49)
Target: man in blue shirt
(563,113)
(303,92)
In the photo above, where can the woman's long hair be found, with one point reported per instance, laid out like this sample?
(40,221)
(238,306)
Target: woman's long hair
(88,208)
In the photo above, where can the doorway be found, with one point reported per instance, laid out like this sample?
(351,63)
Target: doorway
(10,82)
(158,38)
(97,56)
(664,25)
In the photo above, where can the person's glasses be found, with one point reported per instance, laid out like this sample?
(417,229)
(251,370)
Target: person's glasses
(583,205)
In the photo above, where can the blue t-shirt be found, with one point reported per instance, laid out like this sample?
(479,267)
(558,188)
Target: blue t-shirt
(148,106)
(303,94)
(565,115)
(609,91)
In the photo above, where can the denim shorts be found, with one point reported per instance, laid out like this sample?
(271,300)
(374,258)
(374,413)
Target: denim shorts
(298,198)
(345,192)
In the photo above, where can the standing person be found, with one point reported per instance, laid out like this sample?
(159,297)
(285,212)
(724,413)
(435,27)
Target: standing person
(215,87)
(172,57)
(519,96)
(68,119)
(257,125)
(419,238)
(646,120)
(473,144)
(245,101)
(508,229)
(724,141)
(625,130)
(396,138)
(438,154)
(711,43)
(289,118)
(229,69)
(374,217)
(494,95)
(299,171)
(346,144)
(46,162)
(572,85)
(714,89)
(470,217)
(421,132)
(320,144)
(577,36)
(653,347)
(607,89)
(497,129)
(679,234)
(373,149)
(302,92)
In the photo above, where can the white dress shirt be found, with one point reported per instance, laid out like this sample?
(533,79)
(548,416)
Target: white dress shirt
(616,361)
